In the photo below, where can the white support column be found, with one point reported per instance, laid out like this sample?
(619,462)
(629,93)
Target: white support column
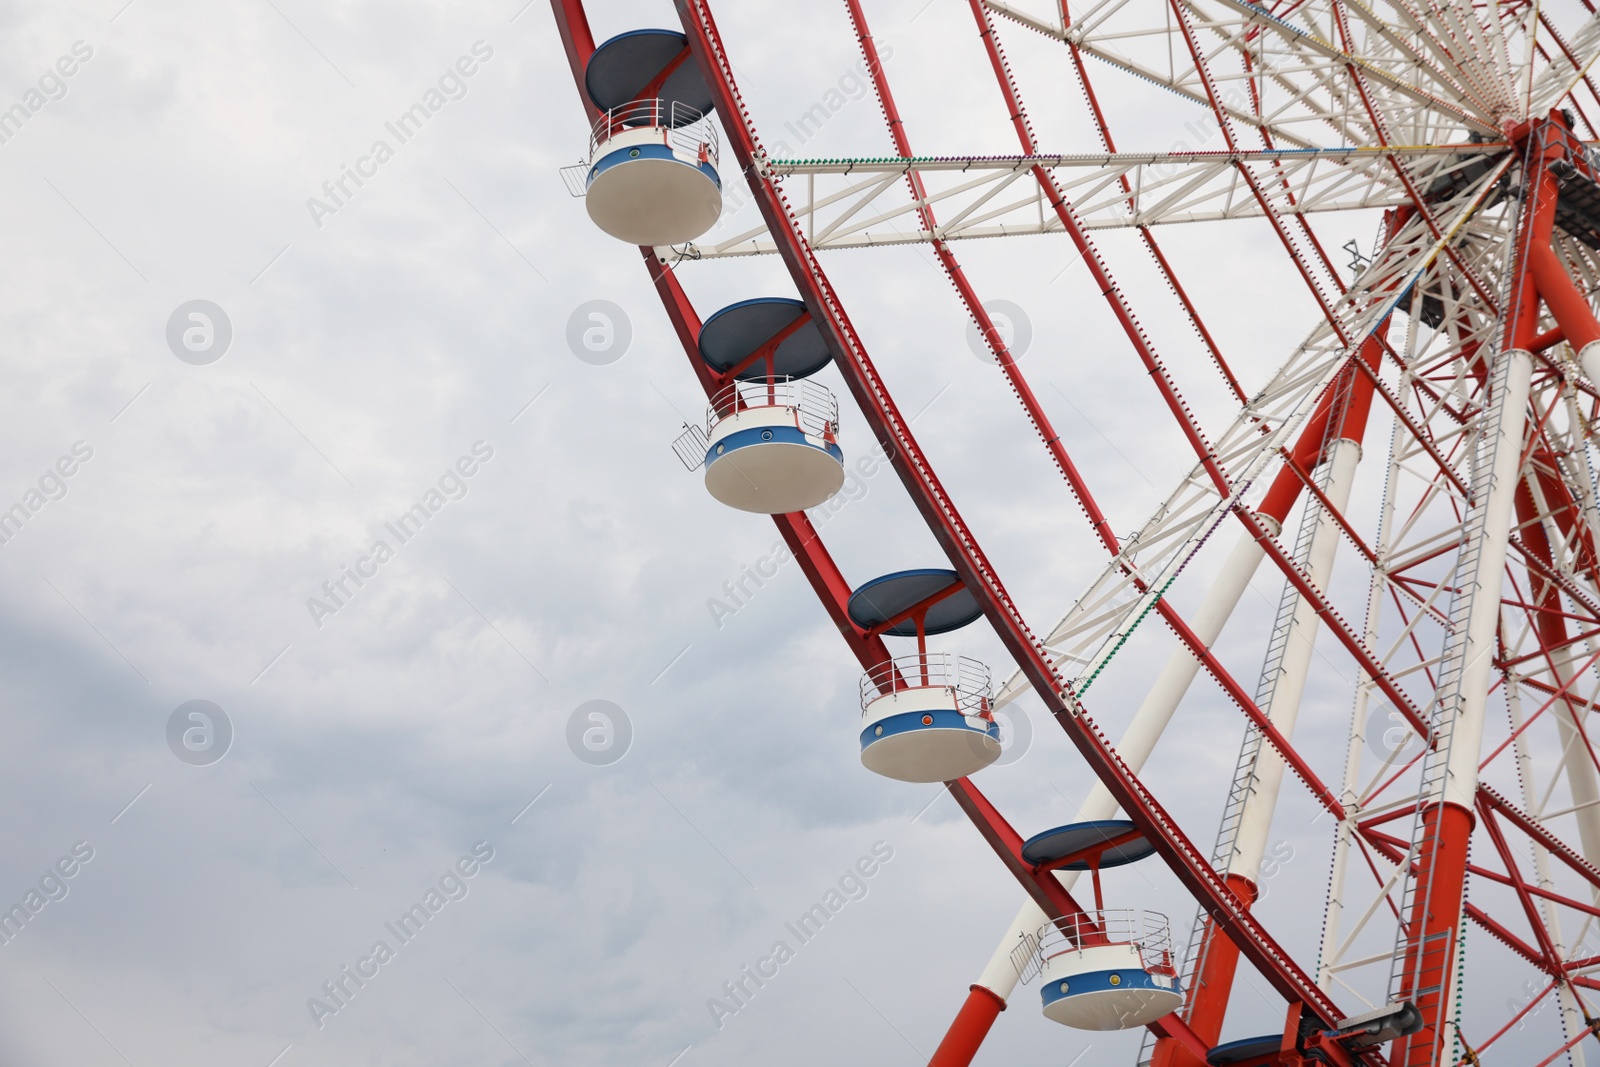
(1571,1015)
(1589,360)
(1333,919)
(1507,419)
(1581,777)
(1135,746)
(1283,708)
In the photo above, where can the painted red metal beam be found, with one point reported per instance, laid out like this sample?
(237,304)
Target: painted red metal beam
(1546,840)
(1258,718)
(972,1024)
(1110,145)
(1478,871)
(798,534)
(1046,891)
(832,589)
(1341,629)
(969,297)
(1327,507)
(1091,257)
(1180,15)
(1187,861)
(1418,202)
(572,22)
(1394,850)
(1487,819)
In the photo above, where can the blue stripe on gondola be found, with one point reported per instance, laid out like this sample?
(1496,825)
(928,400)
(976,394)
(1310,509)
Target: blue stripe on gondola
(911,721)
(647,151)
(1100,982)
(767,435)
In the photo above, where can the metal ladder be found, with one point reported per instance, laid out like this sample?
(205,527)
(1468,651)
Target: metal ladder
(1244,771)
(1409,942)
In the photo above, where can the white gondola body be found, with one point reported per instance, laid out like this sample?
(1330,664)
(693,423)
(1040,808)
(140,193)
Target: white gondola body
(766,460)
(922,735)
(1106,987)
(653,185)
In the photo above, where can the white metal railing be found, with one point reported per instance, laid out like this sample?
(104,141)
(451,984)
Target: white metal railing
(931,670)
(690,447)
(816,412)
(1148,931)
(685,128)
(816,409)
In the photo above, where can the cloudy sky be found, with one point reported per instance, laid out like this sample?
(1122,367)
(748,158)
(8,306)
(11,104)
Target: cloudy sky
(379,345)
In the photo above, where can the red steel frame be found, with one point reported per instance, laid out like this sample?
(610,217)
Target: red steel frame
(1443,866)
(820,570)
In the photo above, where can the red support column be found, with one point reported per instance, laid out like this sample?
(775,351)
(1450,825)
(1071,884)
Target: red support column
(972,1025)
(1218,958)
(572,22)
(1435,925)
(1432,930)
(1569,306)
(1208,997)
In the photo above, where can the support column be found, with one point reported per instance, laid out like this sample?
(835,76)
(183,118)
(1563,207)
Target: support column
(1568,713)
(1213,986)
(1433,925)
(988,996)
(1283,708)
(999,977)
(1218,957)
(1571,1014)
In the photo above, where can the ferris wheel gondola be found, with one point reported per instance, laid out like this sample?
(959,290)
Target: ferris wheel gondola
(1469,335)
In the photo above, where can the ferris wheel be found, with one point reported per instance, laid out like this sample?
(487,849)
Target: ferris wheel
(1462,361)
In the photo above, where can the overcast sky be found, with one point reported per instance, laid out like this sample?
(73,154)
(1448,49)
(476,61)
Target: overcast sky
(391,736)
